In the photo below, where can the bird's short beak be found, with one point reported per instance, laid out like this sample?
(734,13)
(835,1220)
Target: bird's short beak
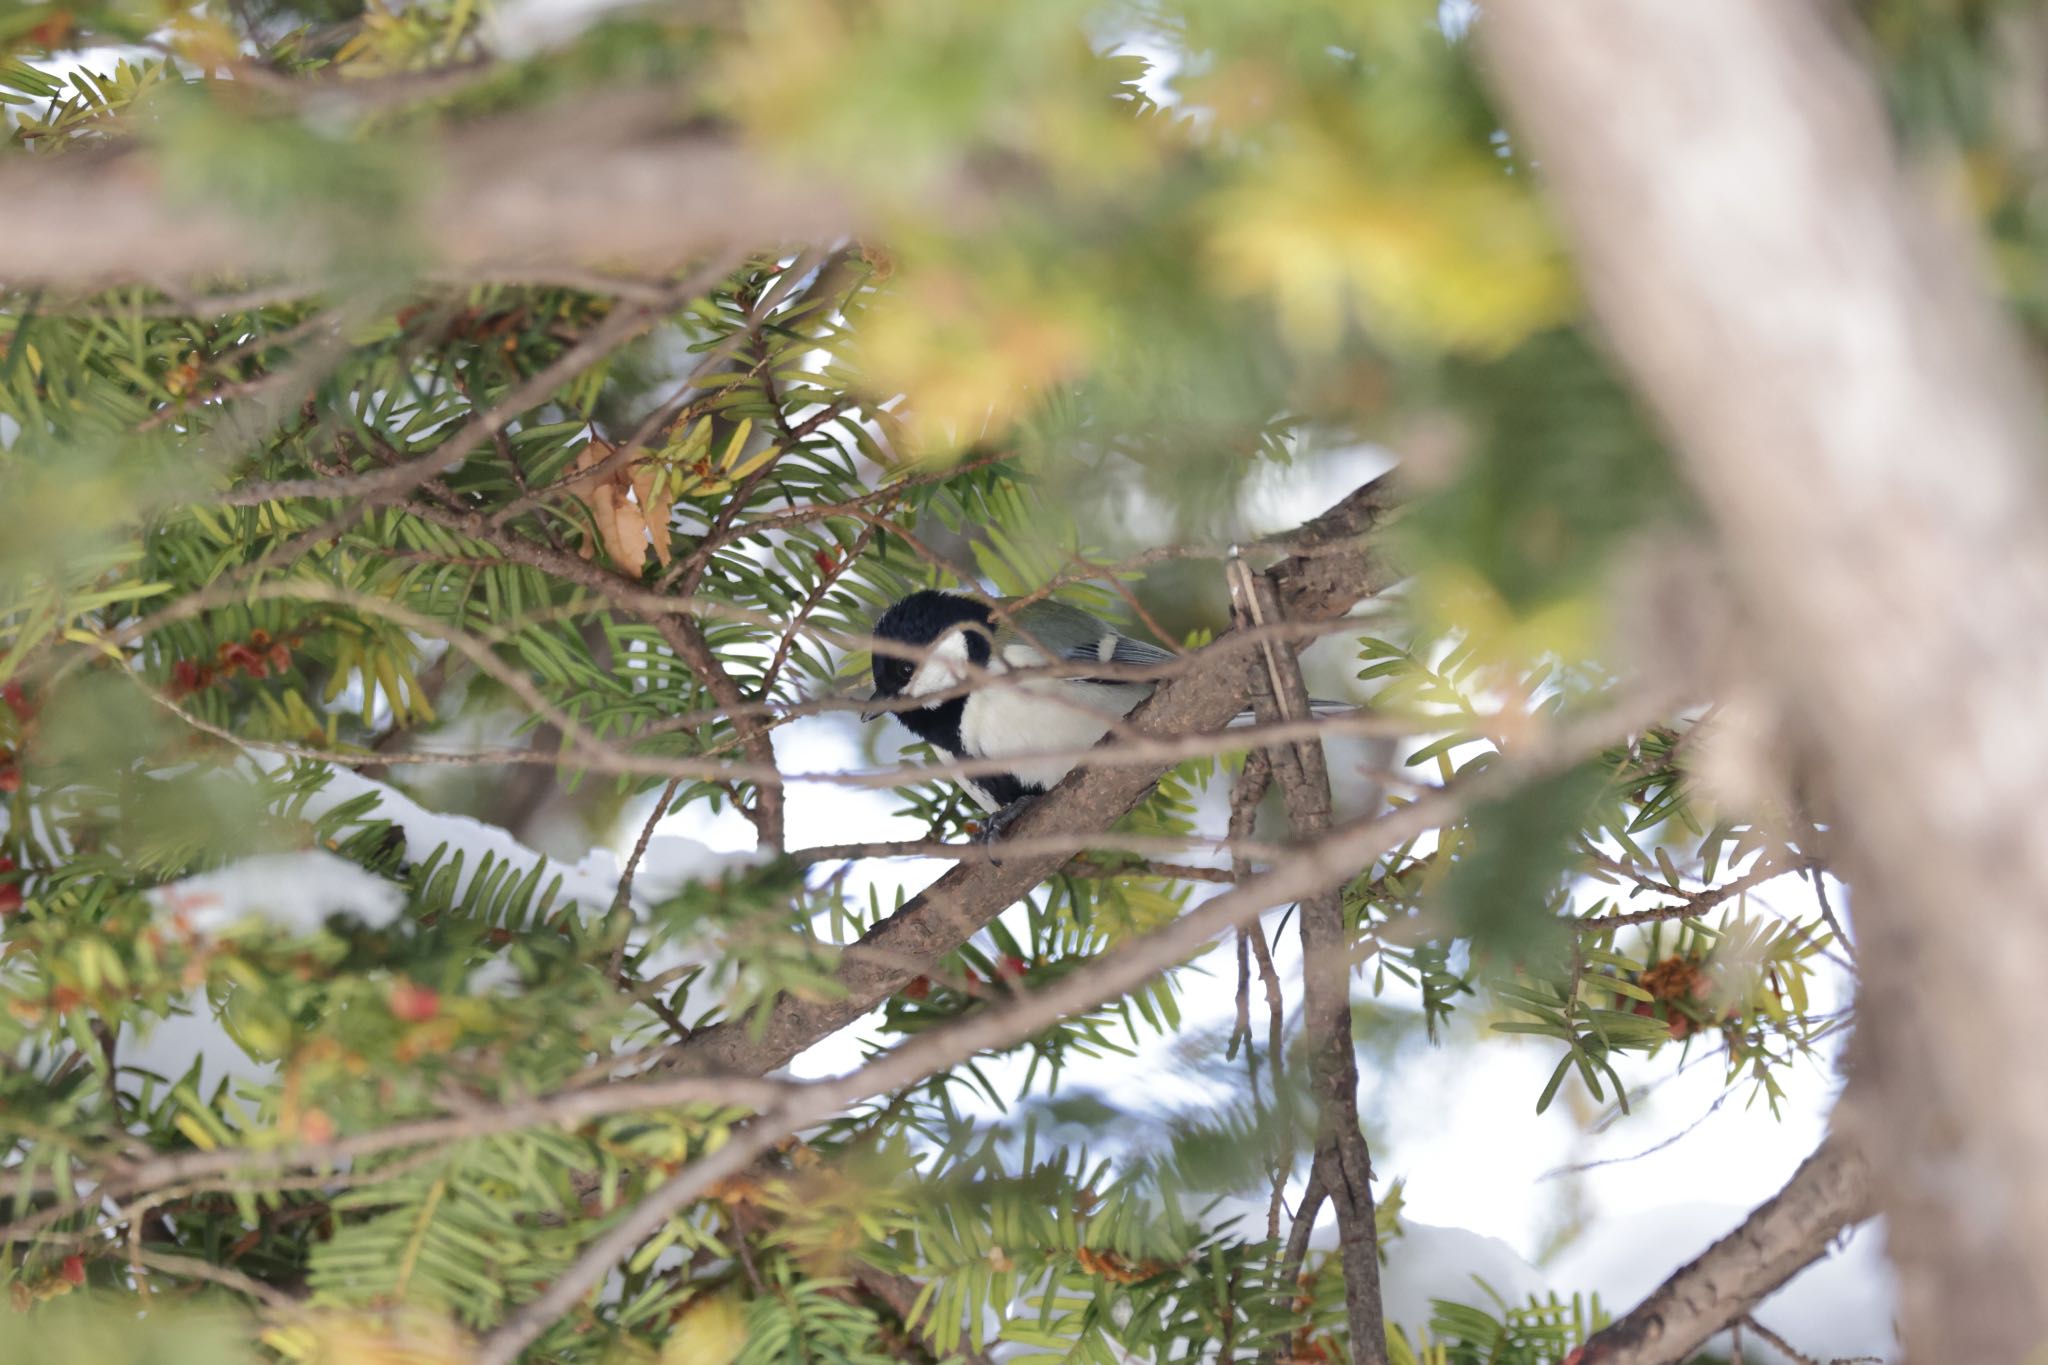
(873,714)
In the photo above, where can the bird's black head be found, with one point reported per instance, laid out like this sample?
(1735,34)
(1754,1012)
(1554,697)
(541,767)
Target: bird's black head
(919,620)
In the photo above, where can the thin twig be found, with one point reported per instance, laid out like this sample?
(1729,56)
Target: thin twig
(1827,910)
(1581,1167)
(1342,1155)
(682,1189)
(622,325)
(1692,905)
(192,1268)
(1795,1356)
(625,893)
(1313,1193)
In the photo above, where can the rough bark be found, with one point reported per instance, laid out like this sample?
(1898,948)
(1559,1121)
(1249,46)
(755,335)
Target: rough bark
(1861,427)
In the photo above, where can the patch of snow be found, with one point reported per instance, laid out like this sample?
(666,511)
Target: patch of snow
(1423,1263)
(169,1045)
(492,975)
(1427,1262)
(519,27)
(673,862)
(294,891)
(591,882)
(1278,498)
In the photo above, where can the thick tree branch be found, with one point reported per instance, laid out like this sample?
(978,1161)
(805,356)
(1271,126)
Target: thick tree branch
(1830,1191)
(934,923)
(609,181)
(1866,435)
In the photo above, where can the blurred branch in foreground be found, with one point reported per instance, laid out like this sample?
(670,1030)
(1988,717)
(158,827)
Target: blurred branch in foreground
(502,200)
(1861,425)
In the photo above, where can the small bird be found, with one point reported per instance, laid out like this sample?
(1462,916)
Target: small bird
(1040,716)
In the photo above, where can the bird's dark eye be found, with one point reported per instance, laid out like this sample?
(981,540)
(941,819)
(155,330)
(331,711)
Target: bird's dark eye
(893,674)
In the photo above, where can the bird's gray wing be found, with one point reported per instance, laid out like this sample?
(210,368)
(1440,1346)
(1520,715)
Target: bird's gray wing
(1074,636)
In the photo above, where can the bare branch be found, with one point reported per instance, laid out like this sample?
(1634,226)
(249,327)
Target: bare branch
(593,754)
(1830,1191)
(1796,1356)
(685,636)
(1691,904)
(1342,1156)
(493,206)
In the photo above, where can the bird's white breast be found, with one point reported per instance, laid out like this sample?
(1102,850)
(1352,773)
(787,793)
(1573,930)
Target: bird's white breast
(1043,716)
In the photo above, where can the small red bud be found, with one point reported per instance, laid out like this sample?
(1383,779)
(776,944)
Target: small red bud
(53,32)
(917,988)
(414,1003)
(315,1126)
(74,1269)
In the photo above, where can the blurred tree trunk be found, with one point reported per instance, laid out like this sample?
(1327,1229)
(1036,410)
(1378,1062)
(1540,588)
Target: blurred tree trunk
(1862,429)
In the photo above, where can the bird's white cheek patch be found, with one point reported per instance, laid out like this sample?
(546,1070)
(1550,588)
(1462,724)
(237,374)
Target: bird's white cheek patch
(947,666)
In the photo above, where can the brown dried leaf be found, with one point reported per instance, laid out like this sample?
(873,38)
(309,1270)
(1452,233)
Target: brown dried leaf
(628,540)
(600,494)
(593,454)
(586,489)
(654,508)
(602,499)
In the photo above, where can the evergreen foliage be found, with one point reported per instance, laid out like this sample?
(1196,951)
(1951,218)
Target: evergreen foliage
(280,545)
